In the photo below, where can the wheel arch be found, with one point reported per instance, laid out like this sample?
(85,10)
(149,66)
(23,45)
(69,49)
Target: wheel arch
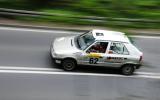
(71,58)
(128,64)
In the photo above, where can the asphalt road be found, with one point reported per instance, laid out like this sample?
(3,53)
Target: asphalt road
(25,48)
(30,48)
(68,87)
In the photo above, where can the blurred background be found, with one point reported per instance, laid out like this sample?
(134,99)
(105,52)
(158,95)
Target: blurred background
(23,51)
(143,14)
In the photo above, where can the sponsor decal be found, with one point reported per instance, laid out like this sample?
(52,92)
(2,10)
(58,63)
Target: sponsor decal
(114,59)
(93,60)
(94,55)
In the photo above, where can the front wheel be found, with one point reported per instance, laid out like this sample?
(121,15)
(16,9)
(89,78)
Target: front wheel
(68,64)
(127,69)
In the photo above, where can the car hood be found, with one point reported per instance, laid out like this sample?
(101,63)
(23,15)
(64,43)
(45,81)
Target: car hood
(64,45)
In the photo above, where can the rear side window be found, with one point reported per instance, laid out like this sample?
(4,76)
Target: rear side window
(132,49)
(118,48)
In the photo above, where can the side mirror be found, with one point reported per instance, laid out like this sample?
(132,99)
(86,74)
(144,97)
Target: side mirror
(88,51)
(110,52)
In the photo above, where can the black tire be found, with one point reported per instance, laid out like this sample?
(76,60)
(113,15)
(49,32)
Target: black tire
(68,64)
(127,69)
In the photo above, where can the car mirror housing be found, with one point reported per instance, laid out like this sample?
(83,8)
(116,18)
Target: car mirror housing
(88,51)
(110,52)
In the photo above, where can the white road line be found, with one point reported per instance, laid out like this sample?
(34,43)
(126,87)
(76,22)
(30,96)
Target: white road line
(147,73)
(59,73)
(53,69)
(37,30)
(62,32)
(147,37)
(50,71)
(27,68)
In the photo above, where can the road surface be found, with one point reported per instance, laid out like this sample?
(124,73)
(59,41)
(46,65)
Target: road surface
(27,72)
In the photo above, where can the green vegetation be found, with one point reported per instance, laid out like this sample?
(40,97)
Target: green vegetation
(71,9)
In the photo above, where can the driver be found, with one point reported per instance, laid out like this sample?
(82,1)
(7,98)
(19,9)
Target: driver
(98,48)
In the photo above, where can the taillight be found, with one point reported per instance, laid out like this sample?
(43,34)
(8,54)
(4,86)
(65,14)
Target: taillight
(140,59)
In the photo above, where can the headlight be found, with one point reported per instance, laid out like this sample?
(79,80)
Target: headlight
(52,51)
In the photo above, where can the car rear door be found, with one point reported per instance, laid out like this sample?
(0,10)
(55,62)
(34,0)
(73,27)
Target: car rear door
(117,55)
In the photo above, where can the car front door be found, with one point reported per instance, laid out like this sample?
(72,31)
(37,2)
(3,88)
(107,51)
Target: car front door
(95,54)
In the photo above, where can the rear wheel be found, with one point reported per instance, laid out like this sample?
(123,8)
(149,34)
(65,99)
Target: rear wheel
(68,64)
(127,69)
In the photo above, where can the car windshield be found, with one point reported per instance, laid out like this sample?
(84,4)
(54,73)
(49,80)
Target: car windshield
(85,40)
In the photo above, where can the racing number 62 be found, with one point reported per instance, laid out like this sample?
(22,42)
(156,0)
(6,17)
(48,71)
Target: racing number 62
(93,60)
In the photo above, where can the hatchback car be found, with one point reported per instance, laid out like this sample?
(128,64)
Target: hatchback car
(97,48)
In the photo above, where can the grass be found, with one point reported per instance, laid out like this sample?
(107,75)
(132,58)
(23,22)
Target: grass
(70,10)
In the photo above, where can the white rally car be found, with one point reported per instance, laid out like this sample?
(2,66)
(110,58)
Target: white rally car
(97,48)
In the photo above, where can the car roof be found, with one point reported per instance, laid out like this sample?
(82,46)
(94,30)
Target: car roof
(107,35)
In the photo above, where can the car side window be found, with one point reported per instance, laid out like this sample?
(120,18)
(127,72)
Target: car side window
(99,47)
(118,48)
